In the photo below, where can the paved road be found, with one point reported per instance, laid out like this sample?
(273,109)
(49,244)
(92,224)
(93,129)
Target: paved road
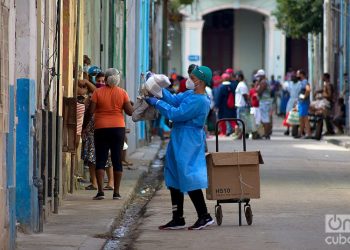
(301,181)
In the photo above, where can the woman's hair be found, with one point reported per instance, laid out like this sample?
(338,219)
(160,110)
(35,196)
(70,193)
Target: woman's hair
(191,68)
(101,74)
(240,76)
(112,77)
(302,72)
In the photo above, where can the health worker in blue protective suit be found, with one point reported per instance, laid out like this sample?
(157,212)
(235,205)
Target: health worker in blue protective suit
(185,166)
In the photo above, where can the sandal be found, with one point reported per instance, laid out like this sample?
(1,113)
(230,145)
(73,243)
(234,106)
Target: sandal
(108,188)
(90,187)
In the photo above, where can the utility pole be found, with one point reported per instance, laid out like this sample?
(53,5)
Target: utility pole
(347,81)
(341,46)
(326,32)
(75,85)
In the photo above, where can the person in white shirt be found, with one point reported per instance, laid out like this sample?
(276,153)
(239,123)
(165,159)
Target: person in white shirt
(242,102)
(242,93)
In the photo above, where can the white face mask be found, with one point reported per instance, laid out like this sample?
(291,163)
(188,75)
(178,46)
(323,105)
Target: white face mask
(189,84)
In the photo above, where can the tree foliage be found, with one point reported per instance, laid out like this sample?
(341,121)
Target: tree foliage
(175,4)
(299,17)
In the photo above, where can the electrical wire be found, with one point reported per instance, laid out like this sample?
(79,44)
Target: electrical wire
(54,56)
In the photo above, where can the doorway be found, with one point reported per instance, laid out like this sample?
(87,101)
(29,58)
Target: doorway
(217,47)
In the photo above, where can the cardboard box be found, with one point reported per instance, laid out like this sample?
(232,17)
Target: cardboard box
(224,171)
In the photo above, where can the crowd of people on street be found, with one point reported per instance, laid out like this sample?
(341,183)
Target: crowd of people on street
(232,98)
(257,99)
(306,113)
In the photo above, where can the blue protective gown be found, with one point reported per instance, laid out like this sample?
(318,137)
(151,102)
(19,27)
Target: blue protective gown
(185,165)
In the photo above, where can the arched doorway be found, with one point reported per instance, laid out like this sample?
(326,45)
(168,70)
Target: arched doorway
(234,38)
(217,48)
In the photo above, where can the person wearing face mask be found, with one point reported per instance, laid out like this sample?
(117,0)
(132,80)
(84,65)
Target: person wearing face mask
(108,105)
(88,145)
(211,120)
(185,166)
(93,71)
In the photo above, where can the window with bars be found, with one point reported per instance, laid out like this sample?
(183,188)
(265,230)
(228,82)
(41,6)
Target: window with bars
(4,69)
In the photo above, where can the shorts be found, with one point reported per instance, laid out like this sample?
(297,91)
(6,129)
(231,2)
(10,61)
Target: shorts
(265,110)
(303,109)
(244,114)
(256,112)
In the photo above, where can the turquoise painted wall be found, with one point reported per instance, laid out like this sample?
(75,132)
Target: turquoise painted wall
(143,51)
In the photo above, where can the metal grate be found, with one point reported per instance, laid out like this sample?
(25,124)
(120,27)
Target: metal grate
(4,69)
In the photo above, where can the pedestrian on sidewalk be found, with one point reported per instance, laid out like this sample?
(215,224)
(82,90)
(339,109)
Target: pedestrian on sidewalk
(108,104)
(185,167)
(340,117)
(254,109)
(243,108)
(265,103)
(328,94)
(303,105)
(225,104)
(293,88)
(88,145)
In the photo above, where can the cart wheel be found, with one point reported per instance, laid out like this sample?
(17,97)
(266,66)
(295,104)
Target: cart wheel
(218,214)
(248,214)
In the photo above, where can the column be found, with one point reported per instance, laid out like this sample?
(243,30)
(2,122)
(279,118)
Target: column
(26,192)
(191,42)
(275,49)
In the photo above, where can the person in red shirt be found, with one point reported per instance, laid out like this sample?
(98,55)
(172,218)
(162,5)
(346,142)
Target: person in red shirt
(254,100)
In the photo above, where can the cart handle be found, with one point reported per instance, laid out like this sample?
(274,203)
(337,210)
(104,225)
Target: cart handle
(229,119)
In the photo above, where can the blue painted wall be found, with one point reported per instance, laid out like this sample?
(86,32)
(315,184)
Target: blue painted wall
(26,193)
(11,169)
(144,50)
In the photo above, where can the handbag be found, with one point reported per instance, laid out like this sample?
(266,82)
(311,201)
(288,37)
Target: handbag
(293,118)
(142,110)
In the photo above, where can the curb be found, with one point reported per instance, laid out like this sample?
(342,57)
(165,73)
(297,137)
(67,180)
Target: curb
(132,194)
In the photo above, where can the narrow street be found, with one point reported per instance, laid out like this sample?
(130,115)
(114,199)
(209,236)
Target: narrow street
(301,182)
(91,92)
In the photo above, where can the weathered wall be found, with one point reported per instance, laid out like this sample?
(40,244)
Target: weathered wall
(248,42)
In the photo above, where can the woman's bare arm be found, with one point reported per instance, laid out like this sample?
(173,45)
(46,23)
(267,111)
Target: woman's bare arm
(92,107)
(128,108)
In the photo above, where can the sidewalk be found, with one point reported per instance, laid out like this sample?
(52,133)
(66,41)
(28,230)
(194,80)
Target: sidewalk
(340,140)
(83,223)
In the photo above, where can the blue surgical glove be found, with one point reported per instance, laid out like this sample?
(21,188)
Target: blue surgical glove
(152,101)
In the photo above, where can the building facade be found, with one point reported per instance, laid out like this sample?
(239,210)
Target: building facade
(230,34)
(38,159)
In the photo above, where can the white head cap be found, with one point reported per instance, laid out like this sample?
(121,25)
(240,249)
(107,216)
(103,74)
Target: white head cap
(260,72)
(112,77)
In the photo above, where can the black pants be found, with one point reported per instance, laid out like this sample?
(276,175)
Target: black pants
(109,139)
(177,200)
